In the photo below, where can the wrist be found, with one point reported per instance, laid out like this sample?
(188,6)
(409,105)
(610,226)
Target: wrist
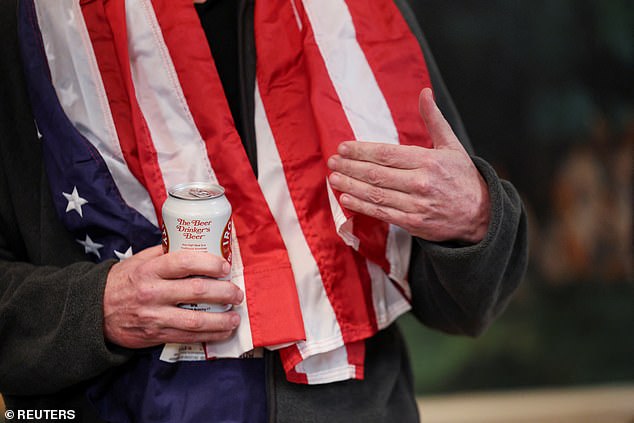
(481,214)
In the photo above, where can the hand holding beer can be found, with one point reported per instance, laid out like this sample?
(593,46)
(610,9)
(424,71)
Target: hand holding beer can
(197,217)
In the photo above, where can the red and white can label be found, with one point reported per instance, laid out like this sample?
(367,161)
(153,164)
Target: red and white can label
(197,217)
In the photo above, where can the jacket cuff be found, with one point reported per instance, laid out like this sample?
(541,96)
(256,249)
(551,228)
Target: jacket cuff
(110,352)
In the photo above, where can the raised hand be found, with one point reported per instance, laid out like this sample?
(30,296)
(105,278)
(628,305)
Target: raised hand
(142,293)
(436,194)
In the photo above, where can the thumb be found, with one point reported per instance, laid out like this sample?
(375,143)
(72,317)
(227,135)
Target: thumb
(440,131)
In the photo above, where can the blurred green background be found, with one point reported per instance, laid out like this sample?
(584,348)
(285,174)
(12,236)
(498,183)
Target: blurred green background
(545,89)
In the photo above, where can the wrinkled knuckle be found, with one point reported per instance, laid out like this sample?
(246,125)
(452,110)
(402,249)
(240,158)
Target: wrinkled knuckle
(374,176)
(419,204)
(193,322)
(421,186)
(434,165)
(426,162)
(141,273)
(198,287)
(150,332)
(144,293)
(414,221)
(385,154)
(145,319)
(380,213)
(183,260)
(376,195)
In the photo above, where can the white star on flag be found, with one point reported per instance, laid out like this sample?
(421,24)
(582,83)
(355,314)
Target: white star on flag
(90,246)
(123,256)
(74,201)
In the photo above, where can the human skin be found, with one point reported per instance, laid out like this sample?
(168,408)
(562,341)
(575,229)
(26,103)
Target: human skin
(142,293)
(436,194)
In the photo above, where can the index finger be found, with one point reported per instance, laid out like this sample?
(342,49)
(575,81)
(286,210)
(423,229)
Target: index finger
(396,156)
(181,264)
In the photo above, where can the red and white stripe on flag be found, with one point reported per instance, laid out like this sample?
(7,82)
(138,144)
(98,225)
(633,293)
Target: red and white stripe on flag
(318,279)
(339,88)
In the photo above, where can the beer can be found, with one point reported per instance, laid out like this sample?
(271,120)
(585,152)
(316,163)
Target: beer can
(197,217)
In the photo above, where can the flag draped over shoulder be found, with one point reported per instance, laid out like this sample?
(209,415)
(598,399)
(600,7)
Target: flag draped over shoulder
(128,103)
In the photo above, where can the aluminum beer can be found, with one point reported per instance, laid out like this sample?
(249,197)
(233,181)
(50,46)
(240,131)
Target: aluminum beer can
(197,217)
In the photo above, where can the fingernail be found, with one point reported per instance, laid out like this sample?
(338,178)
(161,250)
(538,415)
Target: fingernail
(332,162)
(344,198)
(226,268)
(343,149)
(335,178)
(235,320)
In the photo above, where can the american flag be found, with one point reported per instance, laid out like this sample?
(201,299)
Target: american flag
(128,102)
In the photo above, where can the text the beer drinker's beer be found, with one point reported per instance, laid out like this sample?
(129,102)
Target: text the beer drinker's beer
(197,217)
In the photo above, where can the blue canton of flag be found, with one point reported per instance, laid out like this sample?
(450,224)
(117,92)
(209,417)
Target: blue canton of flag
(89,200)
(86,198)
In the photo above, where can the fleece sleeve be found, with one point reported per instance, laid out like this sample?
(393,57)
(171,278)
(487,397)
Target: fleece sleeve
(51,312)
(51,326)
(51,299)
(460,289)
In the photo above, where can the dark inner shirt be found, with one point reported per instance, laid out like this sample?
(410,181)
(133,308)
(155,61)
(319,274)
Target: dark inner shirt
(219,19)
(219,391)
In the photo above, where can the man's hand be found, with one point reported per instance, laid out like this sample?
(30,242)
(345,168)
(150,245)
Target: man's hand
(435,194)
(142,293)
